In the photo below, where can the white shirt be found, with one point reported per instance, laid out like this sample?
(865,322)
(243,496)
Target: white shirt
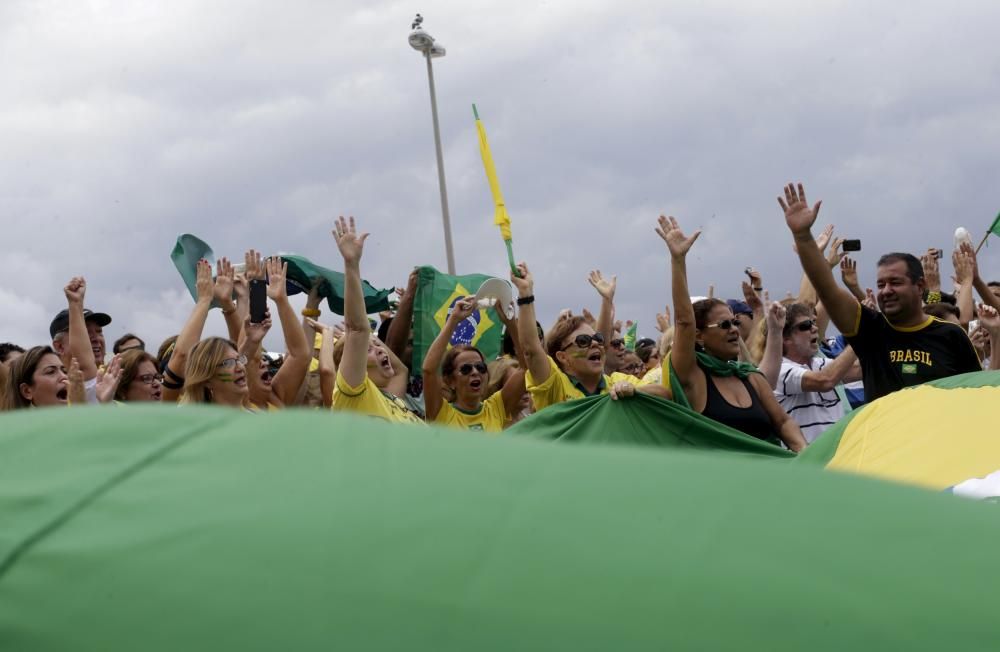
(813,411)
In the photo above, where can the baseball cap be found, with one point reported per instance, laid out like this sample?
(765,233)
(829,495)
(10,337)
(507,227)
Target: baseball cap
(61,322)
(739,307)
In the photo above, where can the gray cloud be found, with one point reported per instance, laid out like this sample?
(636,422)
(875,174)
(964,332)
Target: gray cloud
(253,124)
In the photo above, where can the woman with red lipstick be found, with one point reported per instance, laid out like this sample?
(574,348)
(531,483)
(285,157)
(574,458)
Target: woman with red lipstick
(704,374)
(464,372)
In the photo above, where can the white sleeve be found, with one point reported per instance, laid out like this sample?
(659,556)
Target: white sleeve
(790,379)
(90,387)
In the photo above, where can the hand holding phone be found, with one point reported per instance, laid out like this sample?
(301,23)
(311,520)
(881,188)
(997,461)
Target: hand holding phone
(258,300)
(852,245)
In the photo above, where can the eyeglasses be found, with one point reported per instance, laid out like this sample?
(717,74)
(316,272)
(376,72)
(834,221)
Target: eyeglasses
(618,343)
(805,325)
(229,363)
(725,324)
(147,379)
(467,368)
(583,340)
(635,368)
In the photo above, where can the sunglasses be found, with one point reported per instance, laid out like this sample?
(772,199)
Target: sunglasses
(725,324)
(583,340)
(467,368)
(618,343)
(803,325)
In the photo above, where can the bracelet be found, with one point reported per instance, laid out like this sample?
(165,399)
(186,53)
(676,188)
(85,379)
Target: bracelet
(230,311)
(311,312)
(933,297)
(523,301)
(760,289)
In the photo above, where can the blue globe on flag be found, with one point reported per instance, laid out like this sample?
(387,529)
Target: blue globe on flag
(466,330)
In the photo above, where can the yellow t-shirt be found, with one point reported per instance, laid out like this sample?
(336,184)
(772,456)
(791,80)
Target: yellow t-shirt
(368,399)
(559,387)
(491,417)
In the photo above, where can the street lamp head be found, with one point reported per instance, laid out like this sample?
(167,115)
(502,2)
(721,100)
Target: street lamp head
(422,41)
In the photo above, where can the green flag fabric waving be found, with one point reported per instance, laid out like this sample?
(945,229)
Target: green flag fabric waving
(160,528)
(302,274)
(643,420)
(436,294)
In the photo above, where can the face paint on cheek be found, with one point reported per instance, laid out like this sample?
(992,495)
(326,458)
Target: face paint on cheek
(225,378)
(579,355)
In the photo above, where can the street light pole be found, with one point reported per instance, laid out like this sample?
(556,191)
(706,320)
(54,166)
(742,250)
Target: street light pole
(424,42)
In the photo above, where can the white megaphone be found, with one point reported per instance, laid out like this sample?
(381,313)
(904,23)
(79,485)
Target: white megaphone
(498,293)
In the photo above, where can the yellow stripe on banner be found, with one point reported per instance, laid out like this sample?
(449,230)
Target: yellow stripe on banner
(926,436)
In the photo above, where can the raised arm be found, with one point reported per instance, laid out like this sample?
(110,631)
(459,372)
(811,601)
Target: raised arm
(770,362)
(398,335)
(531,347)
(288,380)
(250,347)
(799,217)
(191,332)
(357,332)
(963,264)
(989,318)
(223,294)
(311,313)
(849,275)
(77,340)
(682,356)
(981,287)
(843,368)
(327,366)
(463,308)
(606,317)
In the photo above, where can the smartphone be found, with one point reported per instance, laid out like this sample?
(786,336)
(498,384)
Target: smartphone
(938,253)
(258,300)
(852,245)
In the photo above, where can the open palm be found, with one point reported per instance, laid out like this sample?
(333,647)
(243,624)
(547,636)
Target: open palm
(798,215)
(677,242)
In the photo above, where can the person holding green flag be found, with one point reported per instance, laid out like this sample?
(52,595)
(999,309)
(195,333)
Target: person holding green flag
(369,379)
(702,369)
(571,363)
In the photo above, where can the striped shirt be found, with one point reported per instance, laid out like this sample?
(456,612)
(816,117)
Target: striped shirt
(813,411)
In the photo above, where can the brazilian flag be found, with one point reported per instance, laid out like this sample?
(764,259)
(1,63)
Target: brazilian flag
(436,295)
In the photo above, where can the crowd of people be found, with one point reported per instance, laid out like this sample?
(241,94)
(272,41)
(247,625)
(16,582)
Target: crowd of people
(764,368)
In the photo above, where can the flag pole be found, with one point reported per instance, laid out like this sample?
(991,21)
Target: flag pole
(983,241)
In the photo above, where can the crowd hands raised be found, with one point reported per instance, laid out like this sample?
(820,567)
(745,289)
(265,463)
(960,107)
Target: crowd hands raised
(764,368)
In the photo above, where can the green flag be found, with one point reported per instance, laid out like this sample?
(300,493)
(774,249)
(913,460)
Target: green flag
(995,227)
(436,294)
(630,336)
(302,273)
(158,528)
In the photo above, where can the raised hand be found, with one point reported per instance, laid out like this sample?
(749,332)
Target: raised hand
(663,320)
(351,244)
(775,318)
(964,265)
(203,284)
(523,280)
(254,265)
(824,236)
(677,242)
(835,255)
(604,287)
(411,285)
(932,272)
(462,310)
(756,279)
(76,393)
(240,286)
(968,251)
(317,326)
(989,319)
(751,298)
(75,290)
(277,270)
(224,279)
(799,217)
(849,272)
(108,379)
(870,300)
(588,317)
(255,332)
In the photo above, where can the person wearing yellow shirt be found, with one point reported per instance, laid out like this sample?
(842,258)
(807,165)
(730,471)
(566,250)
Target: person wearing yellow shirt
(366,375)
(464,372)
(571,363)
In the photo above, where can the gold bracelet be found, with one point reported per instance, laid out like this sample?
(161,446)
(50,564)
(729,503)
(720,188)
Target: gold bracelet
(933,297)
(311,312)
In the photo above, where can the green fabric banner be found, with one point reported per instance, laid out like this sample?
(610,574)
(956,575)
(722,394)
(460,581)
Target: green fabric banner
(302,273)
(641,419)
(436,294)
(163,528)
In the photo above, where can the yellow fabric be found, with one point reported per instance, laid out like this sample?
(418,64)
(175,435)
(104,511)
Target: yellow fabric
(491,417)
(313,366)
(926,436)
(501,218)
(558,387)
(368,399)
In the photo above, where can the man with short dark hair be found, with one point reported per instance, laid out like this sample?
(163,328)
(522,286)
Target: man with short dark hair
(899,346)
(127,342)
(807,381)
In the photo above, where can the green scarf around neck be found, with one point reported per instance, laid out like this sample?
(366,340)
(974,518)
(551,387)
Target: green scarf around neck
(715,367)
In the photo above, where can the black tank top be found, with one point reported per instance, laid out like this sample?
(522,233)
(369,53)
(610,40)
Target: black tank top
(751,420)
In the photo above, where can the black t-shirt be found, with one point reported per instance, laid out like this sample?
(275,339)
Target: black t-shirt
(893,358)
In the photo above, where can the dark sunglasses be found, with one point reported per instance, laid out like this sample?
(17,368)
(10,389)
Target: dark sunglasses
(618,343)
(467,368)
(803,325)
(725,324)
(583,341)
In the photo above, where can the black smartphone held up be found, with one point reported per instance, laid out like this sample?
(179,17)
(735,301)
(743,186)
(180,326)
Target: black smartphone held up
(938,253)
(852,245)
(258,300)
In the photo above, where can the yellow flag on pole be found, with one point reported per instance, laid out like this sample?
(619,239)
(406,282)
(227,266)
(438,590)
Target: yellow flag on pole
(501,218)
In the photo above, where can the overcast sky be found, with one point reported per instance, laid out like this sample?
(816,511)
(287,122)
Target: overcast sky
(254,123)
